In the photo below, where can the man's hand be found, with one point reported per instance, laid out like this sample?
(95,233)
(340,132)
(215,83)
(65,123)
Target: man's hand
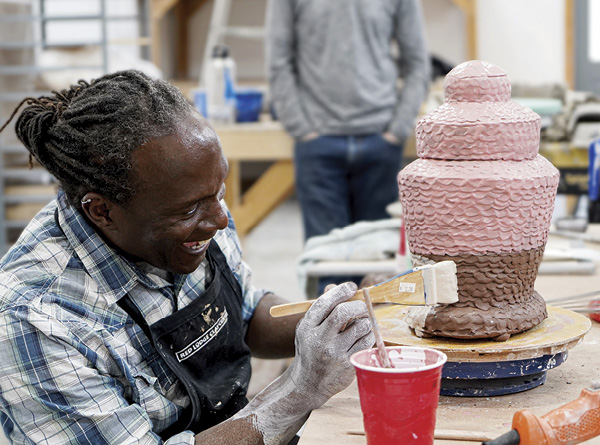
(309,137)
(391,138)
(330,332)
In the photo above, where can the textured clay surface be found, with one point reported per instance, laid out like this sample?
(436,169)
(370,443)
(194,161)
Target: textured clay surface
(496,296)
(479,131)
(454,207)
(480,195)
(478,121)
(477,81)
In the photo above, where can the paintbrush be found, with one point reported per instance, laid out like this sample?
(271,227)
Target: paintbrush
(384,358)
(424,285)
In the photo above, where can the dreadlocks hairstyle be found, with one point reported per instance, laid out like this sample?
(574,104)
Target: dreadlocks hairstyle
(85,135)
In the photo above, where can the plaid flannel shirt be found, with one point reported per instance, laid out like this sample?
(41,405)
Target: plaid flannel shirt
(73,367)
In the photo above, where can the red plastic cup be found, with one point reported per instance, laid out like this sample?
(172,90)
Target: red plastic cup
(399,404)
(595,305)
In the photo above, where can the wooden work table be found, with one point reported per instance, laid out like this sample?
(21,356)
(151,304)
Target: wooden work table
(492,415)
(260,141)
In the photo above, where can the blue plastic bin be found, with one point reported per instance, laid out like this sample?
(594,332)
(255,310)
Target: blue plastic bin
(249,104)
(199,95)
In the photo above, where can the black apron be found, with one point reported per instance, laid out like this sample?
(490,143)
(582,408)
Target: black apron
(211,359)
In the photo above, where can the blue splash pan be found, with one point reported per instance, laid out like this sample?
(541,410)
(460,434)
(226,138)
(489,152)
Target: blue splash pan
(487,379)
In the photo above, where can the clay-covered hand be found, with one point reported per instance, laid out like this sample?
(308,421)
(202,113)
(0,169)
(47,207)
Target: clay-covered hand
(330,332)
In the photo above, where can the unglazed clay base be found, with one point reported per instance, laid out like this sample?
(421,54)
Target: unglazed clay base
(496,297)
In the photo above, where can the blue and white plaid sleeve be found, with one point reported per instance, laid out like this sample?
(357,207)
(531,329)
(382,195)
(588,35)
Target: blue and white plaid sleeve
(54,390)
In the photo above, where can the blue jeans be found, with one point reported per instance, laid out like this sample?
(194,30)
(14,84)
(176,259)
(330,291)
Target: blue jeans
(341,180)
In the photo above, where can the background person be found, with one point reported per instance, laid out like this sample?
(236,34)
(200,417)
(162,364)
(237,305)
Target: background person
(333,82)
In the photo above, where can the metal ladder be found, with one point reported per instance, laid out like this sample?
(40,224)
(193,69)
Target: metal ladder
(37,19)
(219,29)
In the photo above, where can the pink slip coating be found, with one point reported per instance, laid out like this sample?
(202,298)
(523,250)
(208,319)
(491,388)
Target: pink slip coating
(480,194)
(479,131)
(454,207)
(480,185)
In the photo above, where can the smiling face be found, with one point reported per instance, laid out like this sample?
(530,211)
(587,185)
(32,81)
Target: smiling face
(179,182)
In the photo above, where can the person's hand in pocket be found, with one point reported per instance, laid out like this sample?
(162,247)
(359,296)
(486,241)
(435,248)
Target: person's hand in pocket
(309,137)
(391,138)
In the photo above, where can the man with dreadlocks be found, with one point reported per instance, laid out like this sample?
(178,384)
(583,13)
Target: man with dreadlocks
(126,312)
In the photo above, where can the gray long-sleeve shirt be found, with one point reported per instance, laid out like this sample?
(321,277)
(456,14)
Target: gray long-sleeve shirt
(331,70)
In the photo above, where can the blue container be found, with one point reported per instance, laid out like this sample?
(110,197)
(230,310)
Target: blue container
(249,104)
(594,171)
(199,95)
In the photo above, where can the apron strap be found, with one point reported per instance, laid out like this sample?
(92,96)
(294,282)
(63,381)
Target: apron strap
(218,261)
(183,421)
(189,418)
(130,308)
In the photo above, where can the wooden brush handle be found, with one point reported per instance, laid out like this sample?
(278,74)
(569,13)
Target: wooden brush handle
(301,307)
(291,308)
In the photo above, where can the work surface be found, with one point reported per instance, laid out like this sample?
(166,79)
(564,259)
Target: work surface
(491,415)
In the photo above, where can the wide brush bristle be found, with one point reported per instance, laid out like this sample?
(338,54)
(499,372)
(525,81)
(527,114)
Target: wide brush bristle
(441,286)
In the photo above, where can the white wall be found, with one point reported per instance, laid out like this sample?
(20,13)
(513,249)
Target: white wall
(526,38)
(445,30)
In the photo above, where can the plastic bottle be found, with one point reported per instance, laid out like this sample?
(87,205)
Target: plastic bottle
(219,77)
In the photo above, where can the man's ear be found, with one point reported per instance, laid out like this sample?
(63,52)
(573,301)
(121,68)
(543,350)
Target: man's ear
(98,210)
